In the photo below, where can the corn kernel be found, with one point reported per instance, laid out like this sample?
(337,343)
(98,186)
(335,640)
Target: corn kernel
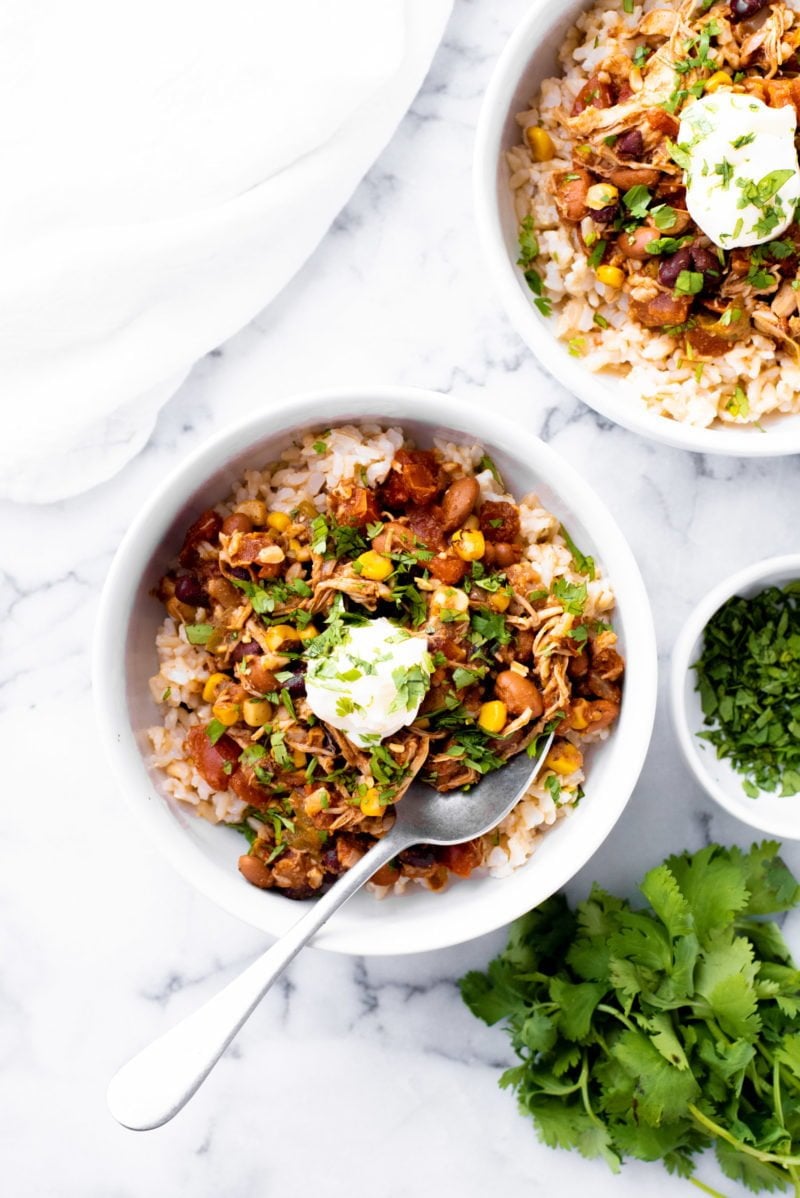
(448,599)
(256,712)
(299,759)
(213,686)
(226,712)
(279,521)
(499,601)
(601,195)
(492,716)
(256,509)
(308,633)
(612,276)
(471,522)
(540,143)
(469,544)
(578,715)
(564,758)
(279,635)
(718,79)
(374,566)
(370,803)
(306,508)
(302,553)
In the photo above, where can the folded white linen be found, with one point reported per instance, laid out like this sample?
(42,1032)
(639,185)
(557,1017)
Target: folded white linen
(168,166)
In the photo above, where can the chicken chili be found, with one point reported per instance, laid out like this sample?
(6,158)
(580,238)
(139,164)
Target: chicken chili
(657,188)
(361,614)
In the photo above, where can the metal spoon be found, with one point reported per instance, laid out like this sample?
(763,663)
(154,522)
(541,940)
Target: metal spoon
(161,1079)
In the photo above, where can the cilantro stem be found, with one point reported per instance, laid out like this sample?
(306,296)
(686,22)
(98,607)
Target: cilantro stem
(701,1185)
(601,1006)
(583,1081)
(776,1093)
(767,1158)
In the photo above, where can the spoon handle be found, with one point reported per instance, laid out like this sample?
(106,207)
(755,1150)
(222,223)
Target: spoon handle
(152,1087)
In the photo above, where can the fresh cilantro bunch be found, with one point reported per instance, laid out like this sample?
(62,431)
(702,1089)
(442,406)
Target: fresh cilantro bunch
(660,1031)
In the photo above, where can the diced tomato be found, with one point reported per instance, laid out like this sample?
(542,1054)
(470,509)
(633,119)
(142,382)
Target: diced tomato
(359,508)
(461,859)
(593,94)
(210,760)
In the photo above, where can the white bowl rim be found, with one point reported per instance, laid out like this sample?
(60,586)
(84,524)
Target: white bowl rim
(296,413)
(624,410)
(688,638)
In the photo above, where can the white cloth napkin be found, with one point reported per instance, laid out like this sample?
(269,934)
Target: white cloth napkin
(167,167)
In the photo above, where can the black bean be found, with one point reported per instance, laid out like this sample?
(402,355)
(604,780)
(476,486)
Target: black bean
(189,590)
(245,649)
(241,573)
(421,856)
(707,262)
(604,216)
(672,266)
(742,10)
(296,685)
(630,144)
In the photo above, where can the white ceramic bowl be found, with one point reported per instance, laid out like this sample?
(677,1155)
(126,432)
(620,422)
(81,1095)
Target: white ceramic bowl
(124,658)
(529,57)
(768,813)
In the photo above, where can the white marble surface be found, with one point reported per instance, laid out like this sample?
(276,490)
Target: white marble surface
(355,1077)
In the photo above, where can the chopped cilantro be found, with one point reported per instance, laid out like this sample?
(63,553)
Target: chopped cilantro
(582,563)
(215,730)
(571,596)
(596,256)
(637,201)
(689,282)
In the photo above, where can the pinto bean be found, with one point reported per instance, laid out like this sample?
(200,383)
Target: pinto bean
(387,875)
(630,144)
(518,693)
(259,677)
(254,871)
(625,177)
(459,500)
(502,554)
(394,536)
(570,190)
(634,245)
(237,522)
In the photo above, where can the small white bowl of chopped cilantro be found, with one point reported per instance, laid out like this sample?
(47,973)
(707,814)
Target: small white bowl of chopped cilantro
(736,694)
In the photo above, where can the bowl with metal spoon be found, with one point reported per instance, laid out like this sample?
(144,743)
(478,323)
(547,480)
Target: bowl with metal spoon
(160,1080)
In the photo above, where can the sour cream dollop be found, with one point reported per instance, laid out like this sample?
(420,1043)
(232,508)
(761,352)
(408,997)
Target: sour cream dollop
(372,682)
(742,176)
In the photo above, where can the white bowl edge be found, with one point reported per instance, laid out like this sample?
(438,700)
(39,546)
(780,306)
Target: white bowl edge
(771,814)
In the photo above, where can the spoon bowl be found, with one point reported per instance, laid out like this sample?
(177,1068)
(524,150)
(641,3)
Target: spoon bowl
(160,1080)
